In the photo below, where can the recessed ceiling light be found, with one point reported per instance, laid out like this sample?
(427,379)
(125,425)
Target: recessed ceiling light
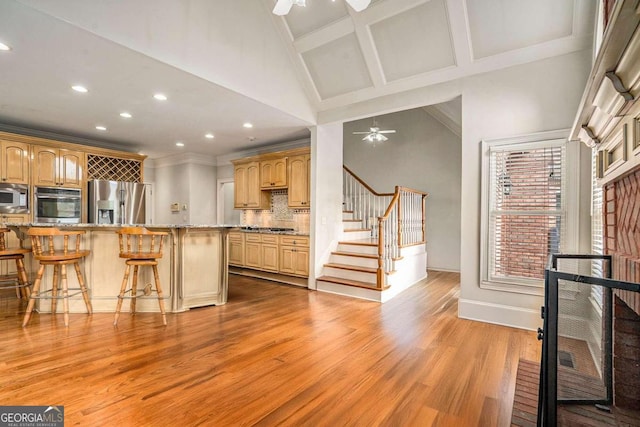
(160,97)
(125,115)
(101,128)
(179,144)
(209,136)
(4,46)
(247,125)
(79,88)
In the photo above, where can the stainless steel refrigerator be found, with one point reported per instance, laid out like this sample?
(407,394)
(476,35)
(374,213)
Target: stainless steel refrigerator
(116,202)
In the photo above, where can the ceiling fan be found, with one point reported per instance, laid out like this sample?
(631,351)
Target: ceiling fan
(284,6)
(374,134)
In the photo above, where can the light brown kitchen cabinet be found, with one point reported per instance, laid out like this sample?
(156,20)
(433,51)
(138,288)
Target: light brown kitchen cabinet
(269,252)
(252,251)
(247,193)
(294,255)
(236,248)
(299,173)
(273,173)
(14,162)
(57,167)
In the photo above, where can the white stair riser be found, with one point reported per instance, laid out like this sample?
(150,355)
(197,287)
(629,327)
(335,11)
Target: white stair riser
(350,225)
(361,249)
(347,215)
(356,235)
(350,291)
(350,274)
(413,250)
(354,260)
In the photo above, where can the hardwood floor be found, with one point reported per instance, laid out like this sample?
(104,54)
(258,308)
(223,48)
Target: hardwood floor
(273,355)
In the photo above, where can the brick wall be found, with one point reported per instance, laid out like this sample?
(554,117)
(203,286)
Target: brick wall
(622,241)
(525,241)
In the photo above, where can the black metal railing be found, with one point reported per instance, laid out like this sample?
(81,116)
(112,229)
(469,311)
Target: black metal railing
(548,396)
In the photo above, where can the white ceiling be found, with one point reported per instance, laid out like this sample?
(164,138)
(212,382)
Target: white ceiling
(225,62)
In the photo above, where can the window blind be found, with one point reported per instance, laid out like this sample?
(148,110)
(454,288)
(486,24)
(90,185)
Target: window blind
(526,209)
(597,243)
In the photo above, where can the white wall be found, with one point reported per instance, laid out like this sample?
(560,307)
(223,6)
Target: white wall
(326,202)
(531,98)
(187,180)
(535,97)
(424,155)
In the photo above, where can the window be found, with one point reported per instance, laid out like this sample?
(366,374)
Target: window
(524,210)
(596,231)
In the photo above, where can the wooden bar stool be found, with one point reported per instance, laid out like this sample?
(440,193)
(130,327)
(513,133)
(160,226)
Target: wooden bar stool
(140,247)
(52,246)
(18,281)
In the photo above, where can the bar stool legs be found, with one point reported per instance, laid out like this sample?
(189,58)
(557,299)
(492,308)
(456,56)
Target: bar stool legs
(59,277)
(34,296)
(134,288)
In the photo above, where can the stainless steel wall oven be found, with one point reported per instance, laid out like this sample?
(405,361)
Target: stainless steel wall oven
(57,205)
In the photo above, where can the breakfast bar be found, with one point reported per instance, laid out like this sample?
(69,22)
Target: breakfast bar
(193,269)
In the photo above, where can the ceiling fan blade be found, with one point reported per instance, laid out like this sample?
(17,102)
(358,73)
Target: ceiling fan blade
(381,138)
(387,131)
(359,5)
(283,7)
(361,133)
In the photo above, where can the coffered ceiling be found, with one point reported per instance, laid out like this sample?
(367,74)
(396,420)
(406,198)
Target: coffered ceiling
(225,62)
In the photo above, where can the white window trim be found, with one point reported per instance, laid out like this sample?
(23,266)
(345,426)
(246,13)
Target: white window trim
(570,191)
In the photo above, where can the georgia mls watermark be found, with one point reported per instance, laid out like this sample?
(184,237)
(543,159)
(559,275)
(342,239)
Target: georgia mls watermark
(31,416)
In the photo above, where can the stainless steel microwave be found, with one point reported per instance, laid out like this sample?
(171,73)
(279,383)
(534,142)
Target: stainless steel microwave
(14,198)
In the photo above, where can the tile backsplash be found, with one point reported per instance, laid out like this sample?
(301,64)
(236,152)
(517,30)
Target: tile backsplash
(280,214)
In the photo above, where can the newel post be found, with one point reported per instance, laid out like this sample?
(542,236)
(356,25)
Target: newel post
(380,271)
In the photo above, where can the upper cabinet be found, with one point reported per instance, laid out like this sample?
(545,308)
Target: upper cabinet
(247,194)
(255,176)
(14,162)
(57,167)
(273,173)
(299,173)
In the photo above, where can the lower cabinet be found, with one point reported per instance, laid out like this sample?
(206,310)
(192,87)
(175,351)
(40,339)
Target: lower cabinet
(284,254)
(236,248)
(269,252)
(294,255)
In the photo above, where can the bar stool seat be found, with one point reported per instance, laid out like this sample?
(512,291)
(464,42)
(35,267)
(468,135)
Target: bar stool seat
(52,246)
(140,247)
(18,281)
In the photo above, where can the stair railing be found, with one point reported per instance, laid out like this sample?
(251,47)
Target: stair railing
(365,203)
(396,219)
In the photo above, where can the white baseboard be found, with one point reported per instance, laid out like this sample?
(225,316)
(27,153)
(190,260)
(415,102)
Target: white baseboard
(446,270)
(515,317)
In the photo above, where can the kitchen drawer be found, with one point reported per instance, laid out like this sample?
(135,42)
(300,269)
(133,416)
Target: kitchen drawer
(294,240)
(252,237)
(269,238)
(236,236)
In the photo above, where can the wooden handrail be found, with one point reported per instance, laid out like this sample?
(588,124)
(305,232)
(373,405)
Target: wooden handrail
(364,184)
(411,190)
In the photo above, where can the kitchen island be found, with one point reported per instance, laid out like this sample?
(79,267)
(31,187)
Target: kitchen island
(193,270)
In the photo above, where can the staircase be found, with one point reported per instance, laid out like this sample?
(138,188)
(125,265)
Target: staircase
(382,251)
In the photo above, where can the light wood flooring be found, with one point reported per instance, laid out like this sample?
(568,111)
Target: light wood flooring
(273,355)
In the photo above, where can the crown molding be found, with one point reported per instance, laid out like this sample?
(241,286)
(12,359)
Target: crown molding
(225,160)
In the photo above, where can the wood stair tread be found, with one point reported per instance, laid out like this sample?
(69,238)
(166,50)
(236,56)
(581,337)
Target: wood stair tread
(351,230)
(352,220)
(348,282)
(355,254)
(352,267)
